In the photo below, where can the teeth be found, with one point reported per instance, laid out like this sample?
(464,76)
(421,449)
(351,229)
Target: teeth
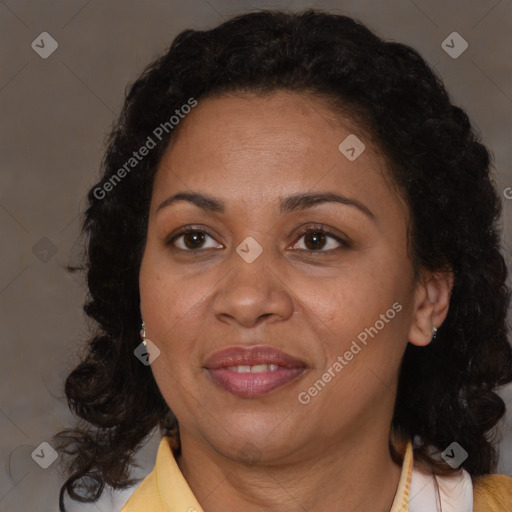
(257,368)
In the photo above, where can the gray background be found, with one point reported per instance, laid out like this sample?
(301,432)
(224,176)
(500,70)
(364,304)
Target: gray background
(55,114)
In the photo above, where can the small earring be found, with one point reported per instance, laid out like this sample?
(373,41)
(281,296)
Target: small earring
(434,332)
(143,333)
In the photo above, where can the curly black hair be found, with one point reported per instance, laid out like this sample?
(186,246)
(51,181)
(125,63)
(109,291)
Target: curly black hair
(446,390)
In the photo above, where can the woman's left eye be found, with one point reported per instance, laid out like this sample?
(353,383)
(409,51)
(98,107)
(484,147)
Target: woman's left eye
(316,239)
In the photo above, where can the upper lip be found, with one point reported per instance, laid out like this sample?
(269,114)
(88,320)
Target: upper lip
(249,356)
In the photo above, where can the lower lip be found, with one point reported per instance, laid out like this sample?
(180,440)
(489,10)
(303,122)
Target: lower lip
(249,385)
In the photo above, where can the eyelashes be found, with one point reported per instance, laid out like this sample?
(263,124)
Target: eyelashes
(197,235)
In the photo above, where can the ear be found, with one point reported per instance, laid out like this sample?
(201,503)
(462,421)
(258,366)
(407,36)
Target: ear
(431,303)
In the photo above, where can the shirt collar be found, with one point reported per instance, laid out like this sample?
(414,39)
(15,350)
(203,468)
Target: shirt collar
(173,489)
(403,492)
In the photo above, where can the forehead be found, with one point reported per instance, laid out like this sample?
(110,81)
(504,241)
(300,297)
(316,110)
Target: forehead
(254,147)
(262,122)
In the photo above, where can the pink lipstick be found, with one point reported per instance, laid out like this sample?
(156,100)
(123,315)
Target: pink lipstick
(253,371)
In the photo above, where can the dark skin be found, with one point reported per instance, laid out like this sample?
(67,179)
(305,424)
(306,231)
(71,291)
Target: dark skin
(249,151)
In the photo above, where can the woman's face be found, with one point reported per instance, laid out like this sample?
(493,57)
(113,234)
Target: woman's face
(245,277)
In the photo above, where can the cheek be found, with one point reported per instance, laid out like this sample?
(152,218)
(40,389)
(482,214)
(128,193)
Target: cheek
(170,304)
(351,301)
(171,309)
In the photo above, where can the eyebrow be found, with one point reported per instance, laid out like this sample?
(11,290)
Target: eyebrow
(287,204)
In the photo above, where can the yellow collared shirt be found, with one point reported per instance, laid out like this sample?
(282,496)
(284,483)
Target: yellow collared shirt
(166,490)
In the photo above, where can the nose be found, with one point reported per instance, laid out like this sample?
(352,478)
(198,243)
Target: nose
(251,293)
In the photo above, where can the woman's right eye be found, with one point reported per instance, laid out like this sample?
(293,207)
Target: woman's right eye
(189,240)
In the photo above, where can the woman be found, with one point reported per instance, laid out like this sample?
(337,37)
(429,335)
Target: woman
(303,228)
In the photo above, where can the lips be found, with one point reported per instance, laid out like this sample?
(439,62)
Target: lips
(250,356)
(224,368)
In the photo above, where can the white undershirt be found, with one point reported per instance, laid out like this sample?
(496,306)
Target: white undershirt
(430,493)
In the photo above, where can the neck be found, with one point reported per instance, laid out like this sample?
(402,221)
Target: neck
(349,475)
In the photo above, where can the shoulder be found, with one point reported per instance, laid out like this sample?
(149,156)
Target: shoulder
(492,493)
